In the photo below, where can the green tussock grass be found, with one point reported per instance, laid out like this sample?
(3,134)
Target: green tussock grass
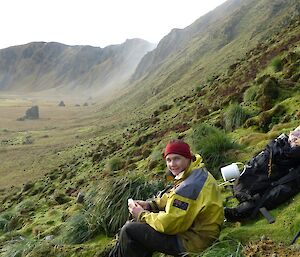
(106,207)
(234,116)
(226,247)
(18,247)
(250,94)
(213,144)
(277,64)
(111,201)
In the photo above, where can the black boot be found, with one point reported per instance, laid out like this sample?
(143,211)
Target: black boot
(239,213)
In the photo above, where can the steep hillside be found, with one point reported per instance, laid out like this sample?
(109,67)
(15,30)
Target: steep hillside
(178,39)
(42,66)
(185,59)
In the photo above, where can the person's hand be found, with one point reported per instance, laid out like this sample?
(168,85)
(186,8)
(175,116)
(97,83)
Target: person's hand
(135,209)
(144,204)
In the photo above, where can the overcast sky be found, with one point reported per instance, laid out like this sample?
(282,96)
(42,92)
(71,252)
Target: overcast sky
(95,22)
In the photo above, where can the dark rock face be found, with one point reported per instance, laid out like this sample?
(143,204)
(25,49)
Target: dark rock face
(32,113)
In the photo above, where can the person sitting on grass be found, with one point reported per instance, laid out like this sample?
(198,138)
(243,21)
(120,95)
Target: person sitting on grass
(185,218)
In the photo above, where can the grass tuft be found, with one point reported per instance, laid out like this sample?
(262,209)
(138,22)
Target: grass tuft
(234,116)
(5,221)
(226,247)
(213,144)
(115,164)
(78,228)
(18,247)
(106,207)
(250,94)
(110,209)
(277,64)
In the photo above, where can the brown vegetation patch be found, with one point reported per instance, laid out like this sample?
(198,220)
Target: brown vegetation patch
(181,127)
(267,247)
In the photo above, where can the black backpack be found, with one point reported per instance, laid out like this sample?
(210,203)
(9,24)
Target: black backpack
(270,178)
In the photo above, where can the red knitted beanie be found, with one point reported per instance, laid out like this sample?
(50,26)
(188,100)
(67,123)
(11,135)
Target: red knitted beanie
(178,147)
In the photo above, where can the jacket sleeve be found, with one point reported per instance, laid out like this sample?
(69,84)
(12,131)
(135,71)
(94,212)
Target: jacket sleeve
(158,203)
(177,217)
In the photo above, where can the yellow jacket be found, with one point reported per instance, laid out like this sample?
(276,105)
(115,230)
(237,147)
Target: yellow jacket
(192,209)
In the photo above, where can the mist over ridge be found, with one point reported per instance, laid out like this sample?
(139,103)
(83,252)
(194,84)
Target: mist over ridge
(56,68)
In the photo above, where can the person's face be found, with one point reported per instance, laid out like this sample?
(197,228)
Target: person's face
(177,163)
(294,138)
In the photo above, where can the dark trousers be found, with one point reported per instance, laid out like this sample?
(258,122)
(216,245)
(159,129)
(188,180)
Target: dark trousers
(140,240)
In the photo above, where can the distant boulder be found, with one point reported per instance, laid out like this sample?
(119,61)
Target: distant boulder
(62,104)
(31,114)
(85,104)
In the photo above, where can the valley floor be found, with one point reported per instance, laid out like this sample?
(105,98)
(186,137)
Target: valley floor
(31,148)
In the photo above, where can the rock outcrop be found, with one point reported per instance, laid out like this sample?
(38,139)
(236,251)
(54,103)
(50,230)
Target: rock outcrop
(31,114)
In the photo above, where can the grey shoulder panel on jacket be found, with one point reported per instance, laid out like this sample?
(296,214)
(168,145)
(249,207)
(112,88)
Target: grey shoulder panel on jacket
(193,184)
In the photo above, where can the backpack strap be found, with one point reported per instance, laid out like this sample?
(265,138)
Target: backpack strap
(295,237)
(270,164)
